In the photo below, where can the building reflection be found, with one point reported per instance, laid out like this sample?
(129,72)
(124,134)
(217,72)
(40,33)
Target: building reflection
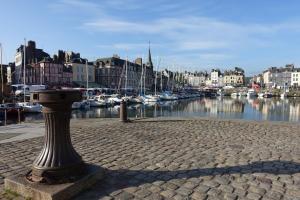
(242,108)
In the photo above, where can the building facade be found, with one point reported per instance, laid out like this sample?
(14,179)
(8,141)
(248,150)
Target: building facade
(112,72)
(216,78)
(46,72)
(196,79)
(82,71)
(234,77)
(278,77)
(33,55)
(295,79)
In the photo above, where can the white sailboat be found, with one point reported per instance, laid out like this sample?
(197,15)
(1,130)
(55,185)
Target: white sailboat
(28,106)
(251,93)
(85,104)
(150,98)
(128,99)
(284,94)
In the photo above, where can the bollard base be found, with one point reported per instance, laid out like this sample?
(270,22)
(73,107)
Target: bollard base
(39,191)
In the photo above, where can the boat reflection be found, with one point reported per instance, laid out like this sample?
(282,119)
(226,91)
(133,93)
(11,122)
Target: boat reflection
(240,108)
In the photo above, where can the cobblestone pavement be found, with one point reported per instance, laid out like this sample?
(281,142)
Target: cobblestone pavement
(179,159)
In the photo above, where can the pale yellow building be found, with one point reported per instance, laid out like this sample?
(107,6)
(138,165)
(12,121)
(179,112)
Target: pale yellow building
(81,70)
(233,79)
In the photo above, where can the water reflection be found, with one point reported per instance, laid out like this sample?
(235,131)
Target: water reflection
(240,108)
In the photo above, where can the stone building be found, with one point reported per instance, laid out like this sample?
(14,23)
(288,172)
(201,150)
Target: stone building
(47,72)
(278,77)
(33,55)
(196,79)
(234,77)
(81,71)
(258,79)
(111,73)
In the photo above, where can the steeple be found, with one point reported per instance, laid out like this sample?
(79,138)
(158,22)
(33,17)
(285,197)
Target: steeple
(149,63)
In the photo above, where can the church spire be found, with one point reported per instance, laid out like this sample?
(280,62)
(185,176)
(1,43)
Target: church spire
(149,63)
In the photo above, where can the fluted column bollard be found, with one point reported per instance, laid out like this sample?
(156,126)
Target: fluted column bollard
(58,162)
(123,111)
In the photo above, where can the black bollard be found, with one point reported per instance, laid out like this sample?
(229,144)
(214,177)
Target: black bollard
(123,111)
(5,117)
(19,115)
(58,161)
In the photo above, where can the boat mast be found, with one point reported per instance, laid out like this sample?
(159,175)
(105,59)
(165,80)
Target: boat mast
(155,82)
(158,63)
(145,72)
(24,72)
(168,77)
(126,68)
(87,78)
(142,78)
(161,80)
(2,93)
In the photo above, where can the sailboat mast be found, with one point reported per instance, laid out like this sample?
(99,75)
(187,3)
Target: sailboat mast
(168,77)
(87,78)
(2,90)
(161,81)
(126,68)
(24,72)
(142,79)
(155,80)
(145,72)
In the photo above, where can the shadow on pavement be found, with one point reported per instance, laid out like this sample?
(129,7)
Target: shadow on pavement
(121,179)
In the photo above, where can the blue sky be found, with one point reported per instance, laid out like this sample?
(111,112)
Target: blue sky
(186,35)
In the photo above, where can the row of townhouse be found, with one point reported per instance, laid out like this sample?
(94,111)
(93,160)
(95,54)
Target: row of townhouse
(216,78)
(69,69)
(279,77)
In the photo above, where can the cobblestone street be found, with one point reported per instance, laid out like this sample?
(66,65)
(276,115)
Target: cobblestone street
(179,159)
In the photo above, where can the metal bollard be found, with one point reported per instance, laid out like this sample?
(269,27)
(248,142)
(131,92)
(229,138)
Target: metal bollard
(5,117)
(58,162)
(123,111)
(19,116)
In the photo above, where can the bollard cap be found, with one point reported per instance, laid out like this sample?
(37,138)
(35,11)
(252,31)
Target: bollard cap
(55,96)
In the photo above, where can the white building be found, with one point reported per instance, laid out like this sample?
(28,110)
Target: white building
(295,79)
(214,76)
(196,79)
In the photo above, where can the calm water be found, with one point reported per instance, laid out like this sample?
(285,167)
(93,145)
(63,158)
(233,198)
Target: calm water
(241,108)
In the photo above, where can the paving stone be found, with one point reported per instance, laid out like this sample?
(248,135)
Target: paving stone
(124,196)
(230,196)
(199,196)
(184,191)
(179,159)
(253,196)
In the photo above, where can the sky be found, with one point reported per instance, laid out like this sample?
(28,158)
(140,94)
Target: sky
(184,35)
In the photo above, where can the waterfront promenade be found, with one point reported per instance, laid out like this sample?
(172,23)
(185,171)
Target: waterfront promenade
(156,159)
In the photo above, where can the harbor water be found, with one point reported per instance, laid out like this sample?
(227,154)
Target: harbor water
(270,109)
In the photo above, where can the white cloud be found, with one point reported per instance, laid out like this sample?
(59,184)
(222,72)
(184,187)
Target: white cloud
(202,45)
(186,38)
(127,46)
(215,56)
